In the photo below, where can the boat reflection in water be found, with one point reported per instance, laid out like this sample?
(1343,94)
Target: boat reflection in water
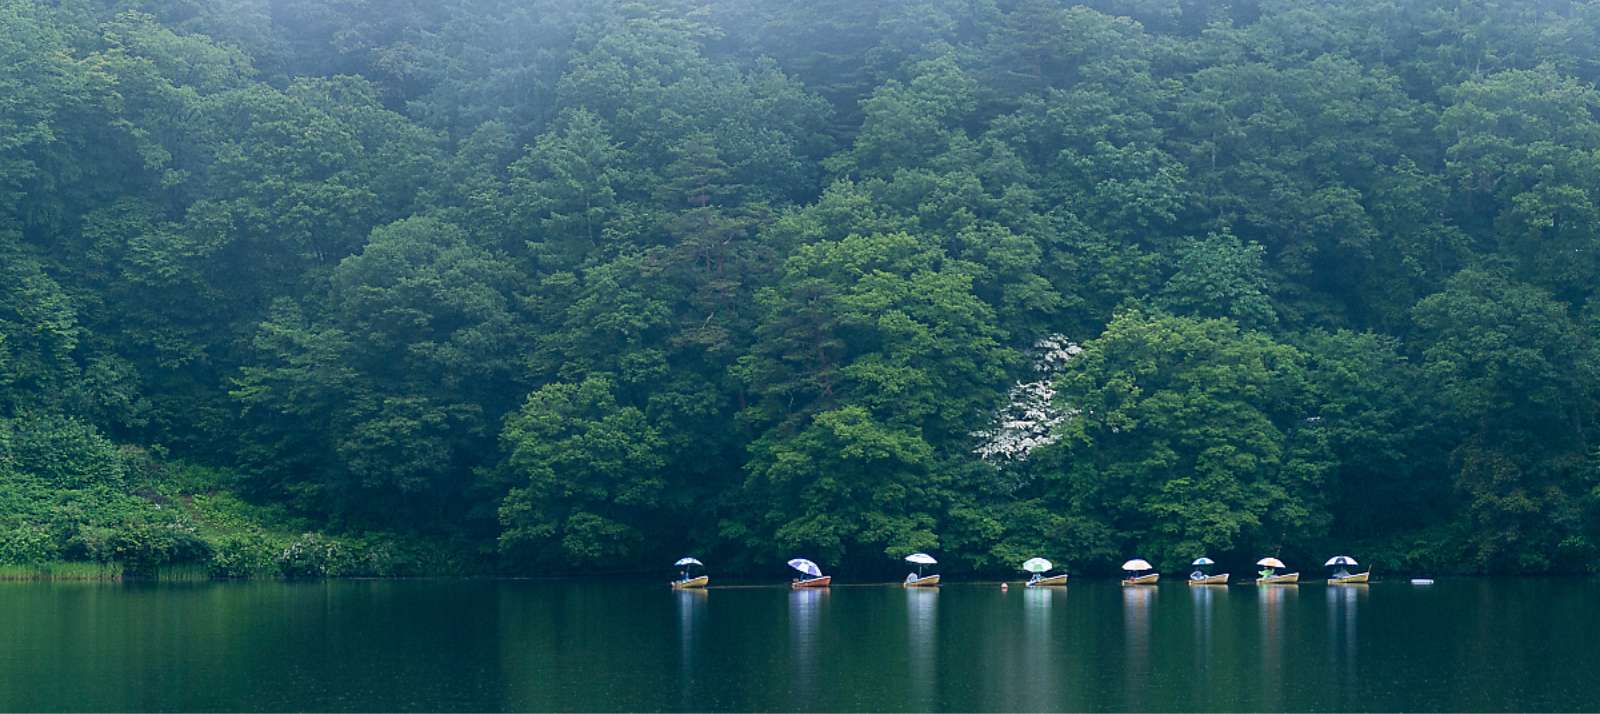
(1043,672)
(691,620)
(1138,603)
(805,628)
(1344,603)
(1206,602)
(1277,604)
(922,633)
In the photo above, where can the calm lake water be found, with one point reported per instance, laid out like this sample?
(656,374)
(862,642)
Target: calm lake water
(1468,644)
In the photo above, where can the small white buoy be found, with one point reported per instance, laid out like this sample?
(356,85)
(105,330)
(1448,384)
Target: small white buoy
(1422,581)
(1005,586)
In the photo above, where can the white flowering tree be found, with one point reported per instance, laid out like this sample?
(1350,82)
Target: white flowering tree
(1030,416)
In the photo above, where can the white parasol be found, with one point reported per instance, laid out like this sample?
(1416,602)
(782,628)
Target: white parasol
(1037,565)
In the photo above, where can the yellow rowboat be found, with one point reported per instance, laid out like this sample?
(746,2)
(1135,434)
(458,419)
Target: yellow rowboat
(691,583)
(912,581)
(1357,579)
(1284,579)
(1047,582)
(1210,580)
(1142,579)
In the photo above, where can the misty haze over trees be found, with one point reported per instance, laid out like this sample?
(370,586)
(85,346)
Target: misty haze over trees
(363,286)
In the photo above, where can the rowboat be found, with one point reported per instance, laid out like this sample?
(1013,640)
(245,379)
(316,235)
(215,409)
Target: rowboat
(691,583)
(1270,576)
(814,577)
(917,579)
(821,582)
(684,582)
(1201,576)
(1136,566)
(1040,566)
(1342,576)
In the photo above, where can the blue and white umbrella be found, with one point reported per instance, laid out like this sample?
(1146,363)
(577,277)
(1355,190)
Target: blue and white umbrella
(806,566)
(1340,560)
(684,562)
(1202,560)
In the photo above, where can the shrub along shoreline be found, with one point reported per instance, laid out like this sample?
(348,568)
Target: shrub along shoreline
(75,506)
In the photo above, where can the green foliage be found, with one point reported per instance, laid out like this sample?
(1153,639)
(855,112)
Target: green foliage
(312,555)
(1194,437)
(302,288)
(583,469)
(28,545)
(246,555)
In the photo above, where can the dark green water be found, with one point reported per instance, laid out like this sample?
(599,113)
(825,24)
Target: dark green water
(1471,645)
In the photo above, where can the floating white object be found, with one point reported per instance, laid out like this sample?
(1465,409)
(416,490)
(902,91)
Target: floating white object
(1422,581)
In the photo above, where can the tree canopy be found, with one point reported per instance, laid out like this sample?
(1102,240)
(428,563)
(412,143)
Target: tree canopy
(584,285)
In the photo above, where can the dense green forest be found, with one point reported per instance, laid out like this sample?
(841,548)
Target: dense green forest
(399,286)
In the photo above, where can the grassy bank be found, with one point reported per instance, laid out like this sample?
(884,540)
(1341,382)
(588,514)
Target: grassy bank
(61,570)
(74,506)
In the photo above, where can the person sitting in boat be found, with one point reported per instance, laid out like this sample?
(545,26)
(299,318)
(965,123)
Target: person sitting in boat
(1342,572)
(1268,572)
(911,577)
(1197,575)
(1036,577)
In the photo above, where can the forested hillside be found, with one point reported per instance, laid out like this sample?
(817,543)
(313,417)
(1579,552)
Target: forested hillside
(292,286)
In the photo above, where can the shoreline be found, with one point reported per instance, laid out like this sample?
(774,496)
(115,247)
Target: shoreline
(77,571)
